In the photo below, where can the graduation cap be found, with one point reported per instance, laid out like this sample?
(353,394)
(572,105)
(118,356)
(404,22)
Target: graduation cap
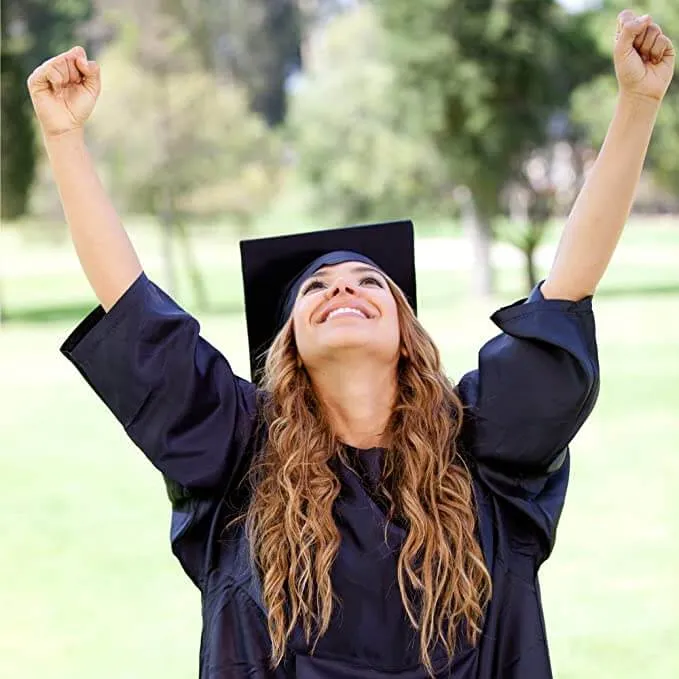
(274,268)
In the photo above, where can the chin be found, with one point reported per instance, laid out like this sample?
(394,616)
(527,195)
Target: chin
(348,336)
(348,340)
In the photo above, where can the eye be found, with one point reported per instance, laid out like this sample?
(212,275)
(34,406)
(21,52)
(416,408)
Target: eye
(313,285)
(371,280)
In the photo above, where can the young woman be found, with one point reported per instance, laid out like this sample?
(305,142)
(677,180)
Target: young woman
(350,513)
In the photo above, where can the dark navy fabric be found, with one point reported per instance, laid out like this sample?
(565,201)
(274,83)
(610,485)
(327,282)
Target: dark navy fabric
(180,403)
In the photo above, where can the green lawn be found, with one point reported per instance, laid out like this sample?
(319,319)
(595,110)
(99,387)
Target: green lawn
(90,588)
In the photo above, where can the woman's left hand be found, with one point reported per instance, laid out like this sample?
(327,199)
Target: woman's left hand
(644,57)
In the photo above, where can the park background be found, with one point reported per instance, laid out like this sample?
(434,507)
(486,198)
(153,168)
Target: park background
(223,119)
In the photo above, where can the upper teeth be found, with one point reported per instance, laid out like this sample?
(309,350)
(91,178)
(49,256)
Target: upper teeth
(345,310)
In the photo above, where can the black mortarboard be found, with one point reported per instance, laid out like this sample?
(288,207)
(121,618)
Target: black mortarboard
(275,267)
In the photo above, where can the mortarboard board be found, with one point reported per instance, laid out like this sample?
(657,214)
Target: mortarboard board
(274,267)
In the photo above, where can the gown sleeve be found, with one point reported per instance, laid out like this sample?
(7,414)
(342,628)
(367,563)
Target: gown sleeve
(535,385)
(174,393)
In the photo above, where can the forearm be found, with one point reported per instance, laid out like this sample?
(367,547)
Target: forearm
(603,206)
(102,245)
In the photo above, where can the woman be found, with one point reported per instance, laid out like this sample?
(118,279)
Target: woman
(350,513)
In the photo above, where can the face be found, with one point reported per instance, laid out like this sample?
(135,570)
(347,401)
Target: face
(346,307)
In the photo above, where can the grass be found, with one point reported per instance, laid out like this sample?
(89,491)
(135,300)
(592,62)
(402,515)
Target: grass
(90,588)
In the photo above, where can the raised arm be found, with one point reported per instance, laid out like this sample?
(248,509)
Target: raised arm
(64,91)
(173,392)
(644,64)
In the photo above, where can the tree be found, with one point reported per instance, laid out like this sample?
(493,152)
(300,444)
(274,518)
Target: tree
(18,138)
(593,102)
(257,42)
(175,142)
(548,183)
(347,125)
(32,31)
(490,76)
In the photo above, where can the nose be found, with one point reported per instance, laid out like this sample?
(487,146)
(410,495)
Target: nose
(340,285)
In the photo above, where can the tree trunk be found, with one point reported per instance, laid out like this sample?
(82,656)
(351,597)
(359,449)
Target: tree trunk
(167,235)
(531,273)
(167,209)
(197,281)
(2,306)
(478,230)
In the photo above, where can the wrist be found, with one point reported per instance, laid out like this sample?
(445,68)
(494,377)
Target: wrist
(638,105)
(73,136)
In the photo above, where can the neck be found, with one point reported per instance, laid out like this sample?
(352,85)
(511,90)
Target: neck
(357,399)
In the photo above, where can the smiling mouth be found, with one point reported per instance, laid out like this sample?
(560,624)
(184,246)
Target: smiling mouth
(345,311)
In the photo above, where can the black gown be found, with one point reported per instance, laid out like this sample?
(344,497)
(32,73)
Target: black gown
(180,403)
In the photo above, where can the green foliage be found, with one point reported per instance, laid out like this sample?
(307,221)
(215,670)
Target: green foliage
(32,31)
(17,142)
(593,103)
(490,76)
(347,122)
(43,28)
(181,136)
(255,41)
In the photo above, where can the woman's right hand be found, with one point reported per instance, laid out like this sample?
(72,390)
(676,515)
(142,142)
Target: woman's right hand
(64,90)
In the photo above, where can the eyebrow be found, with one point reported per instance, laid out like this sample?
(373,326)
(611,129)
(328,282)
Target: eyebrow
(361,268)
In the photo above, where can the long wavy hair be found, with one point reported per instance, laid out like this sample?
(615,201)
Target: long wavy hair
(442,577)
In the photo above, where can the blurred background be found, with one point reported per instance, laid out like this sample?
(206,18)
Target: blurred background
(220,119)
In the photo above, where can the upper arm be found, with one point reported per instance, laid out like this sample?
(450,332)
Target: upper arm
(535,385)
(173,392)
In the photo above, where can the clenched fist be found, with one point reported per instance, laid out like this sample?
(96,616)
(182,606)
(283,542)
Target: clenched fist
(64,90)
(644,56)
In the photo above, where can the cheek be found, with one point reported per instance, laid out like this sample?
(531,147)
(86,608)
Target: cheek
(300,332)
(392,326)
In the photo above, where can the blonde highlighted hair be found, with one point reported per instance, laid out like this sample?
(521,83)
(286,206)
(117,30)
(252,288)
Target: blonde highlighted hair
(441,573)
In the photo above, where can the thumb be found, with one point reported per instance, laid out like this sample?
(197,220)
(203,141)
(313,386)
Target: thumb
(630,28)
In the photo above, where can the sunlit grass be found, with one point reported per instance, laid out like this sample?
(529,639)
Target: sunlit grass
(90,588)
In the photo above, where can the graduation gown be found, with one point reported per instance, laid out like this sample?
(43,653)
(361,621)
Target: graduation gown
(179,401)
